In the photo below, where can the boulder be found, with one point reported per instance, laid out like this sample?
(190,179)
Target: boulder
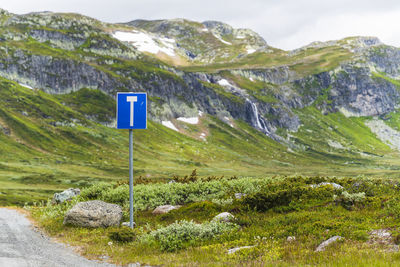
(165,209)
(94,214)
(66,195)
(326,243)
(224,217)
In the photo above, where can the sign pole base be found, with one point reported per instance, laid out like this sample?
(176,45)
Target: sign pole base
(131,178)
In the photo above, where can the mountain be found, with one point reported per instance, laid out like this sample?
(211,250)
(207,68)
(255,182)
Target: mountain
(221,101)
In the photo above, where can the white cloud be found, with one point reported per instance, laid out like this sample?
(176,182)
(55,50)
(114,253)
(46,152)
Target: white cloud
(286,24)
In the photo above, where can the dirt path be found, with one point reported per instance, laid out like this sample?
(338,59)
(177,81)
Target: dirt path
(21,246)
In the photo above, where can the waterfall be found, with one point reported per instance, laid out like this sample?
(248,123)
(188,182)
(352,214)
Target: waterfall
(259,121)
(255,112)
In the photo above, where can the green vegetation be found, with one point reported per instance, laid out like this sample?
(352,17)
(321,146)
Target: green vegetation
(310,209)
(306,62)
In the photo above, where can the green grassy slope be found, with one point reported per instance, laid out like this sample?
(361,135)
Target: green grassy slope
(47,144)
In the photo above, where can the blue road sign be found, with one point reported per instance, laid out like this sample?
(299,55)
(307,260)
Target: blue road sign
(131,110)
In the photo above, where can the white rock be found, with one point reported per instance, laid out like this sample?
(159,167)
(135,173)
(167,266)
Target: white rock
(224,217)
(326,243)
(239,195)
(164,209)
(335,185)
(291,238)
(233,250)
(127,224)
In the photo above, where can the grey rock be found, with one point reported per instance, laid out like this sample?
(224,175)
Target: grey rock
(326,243)
(380,236)
(94,214)
(240,195)
(291,238)
(224,217)
(335,185)
(66,195)
(165,209)
(233,250)
(127,224)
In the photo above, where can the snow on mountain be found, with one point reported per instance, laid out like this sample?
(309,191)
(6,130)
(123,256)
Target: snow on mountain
(146,42)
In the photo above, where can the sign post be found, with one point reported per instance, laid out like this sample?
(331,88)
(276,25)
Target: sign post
(131,114)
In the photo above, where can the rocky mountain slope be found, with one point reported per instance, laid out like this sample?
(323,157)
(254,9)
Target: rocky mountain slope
(217,88)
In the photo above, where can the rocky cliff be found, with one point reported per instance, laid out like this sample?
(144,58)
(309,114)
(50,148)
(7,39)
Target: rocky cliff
(233,72)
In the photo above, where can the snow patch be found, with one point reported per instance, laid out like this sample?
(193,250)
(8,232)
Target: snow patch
(170,125)
(203,136)
(204,30)
(223,41)
(386,134)
(229,121)
(147,43)
(193,120)
(26,86)
(224,82)
(335,144)
(251,50)
(240,37)
(348,113)
(201,113)
(251,79)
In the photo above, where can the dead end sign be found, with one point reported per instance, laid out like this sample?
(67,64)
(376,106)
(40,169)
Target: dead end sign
(131,114)
(131,110)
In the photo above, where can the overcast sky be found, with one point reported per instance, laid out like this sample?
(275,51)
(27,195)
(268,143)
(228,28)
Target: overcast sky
(286,24)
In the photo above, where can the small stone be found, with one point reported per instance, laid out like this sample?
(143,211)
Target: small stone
(172,182)
(335,185)
(165,209)
(224,217)
(127,224)
(290,238)
(240,195)
(326,243)
(233,250)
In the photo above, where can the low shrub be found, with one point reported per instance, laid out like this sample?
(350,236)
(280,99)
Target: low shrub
(123,234)
(184,233)
(292,198)
(95,191)
(348,200)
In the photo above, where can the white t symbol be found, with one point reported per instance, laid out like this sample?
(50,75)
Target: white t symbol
(131,99)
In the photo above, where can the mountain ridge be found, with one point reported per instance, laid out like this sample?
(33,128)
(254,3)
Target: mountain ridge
(322,104)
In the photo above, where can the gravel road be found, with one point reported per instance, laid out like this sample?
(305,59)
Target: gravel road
(21,246)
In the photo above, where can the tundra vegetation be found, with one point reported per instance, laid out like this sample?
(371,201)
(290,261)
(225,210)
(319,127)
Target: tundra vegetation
(309,210)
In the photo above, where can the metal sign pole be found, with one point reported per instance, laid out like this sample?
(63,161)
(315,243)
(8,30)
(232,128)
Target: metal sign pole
(131,178)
